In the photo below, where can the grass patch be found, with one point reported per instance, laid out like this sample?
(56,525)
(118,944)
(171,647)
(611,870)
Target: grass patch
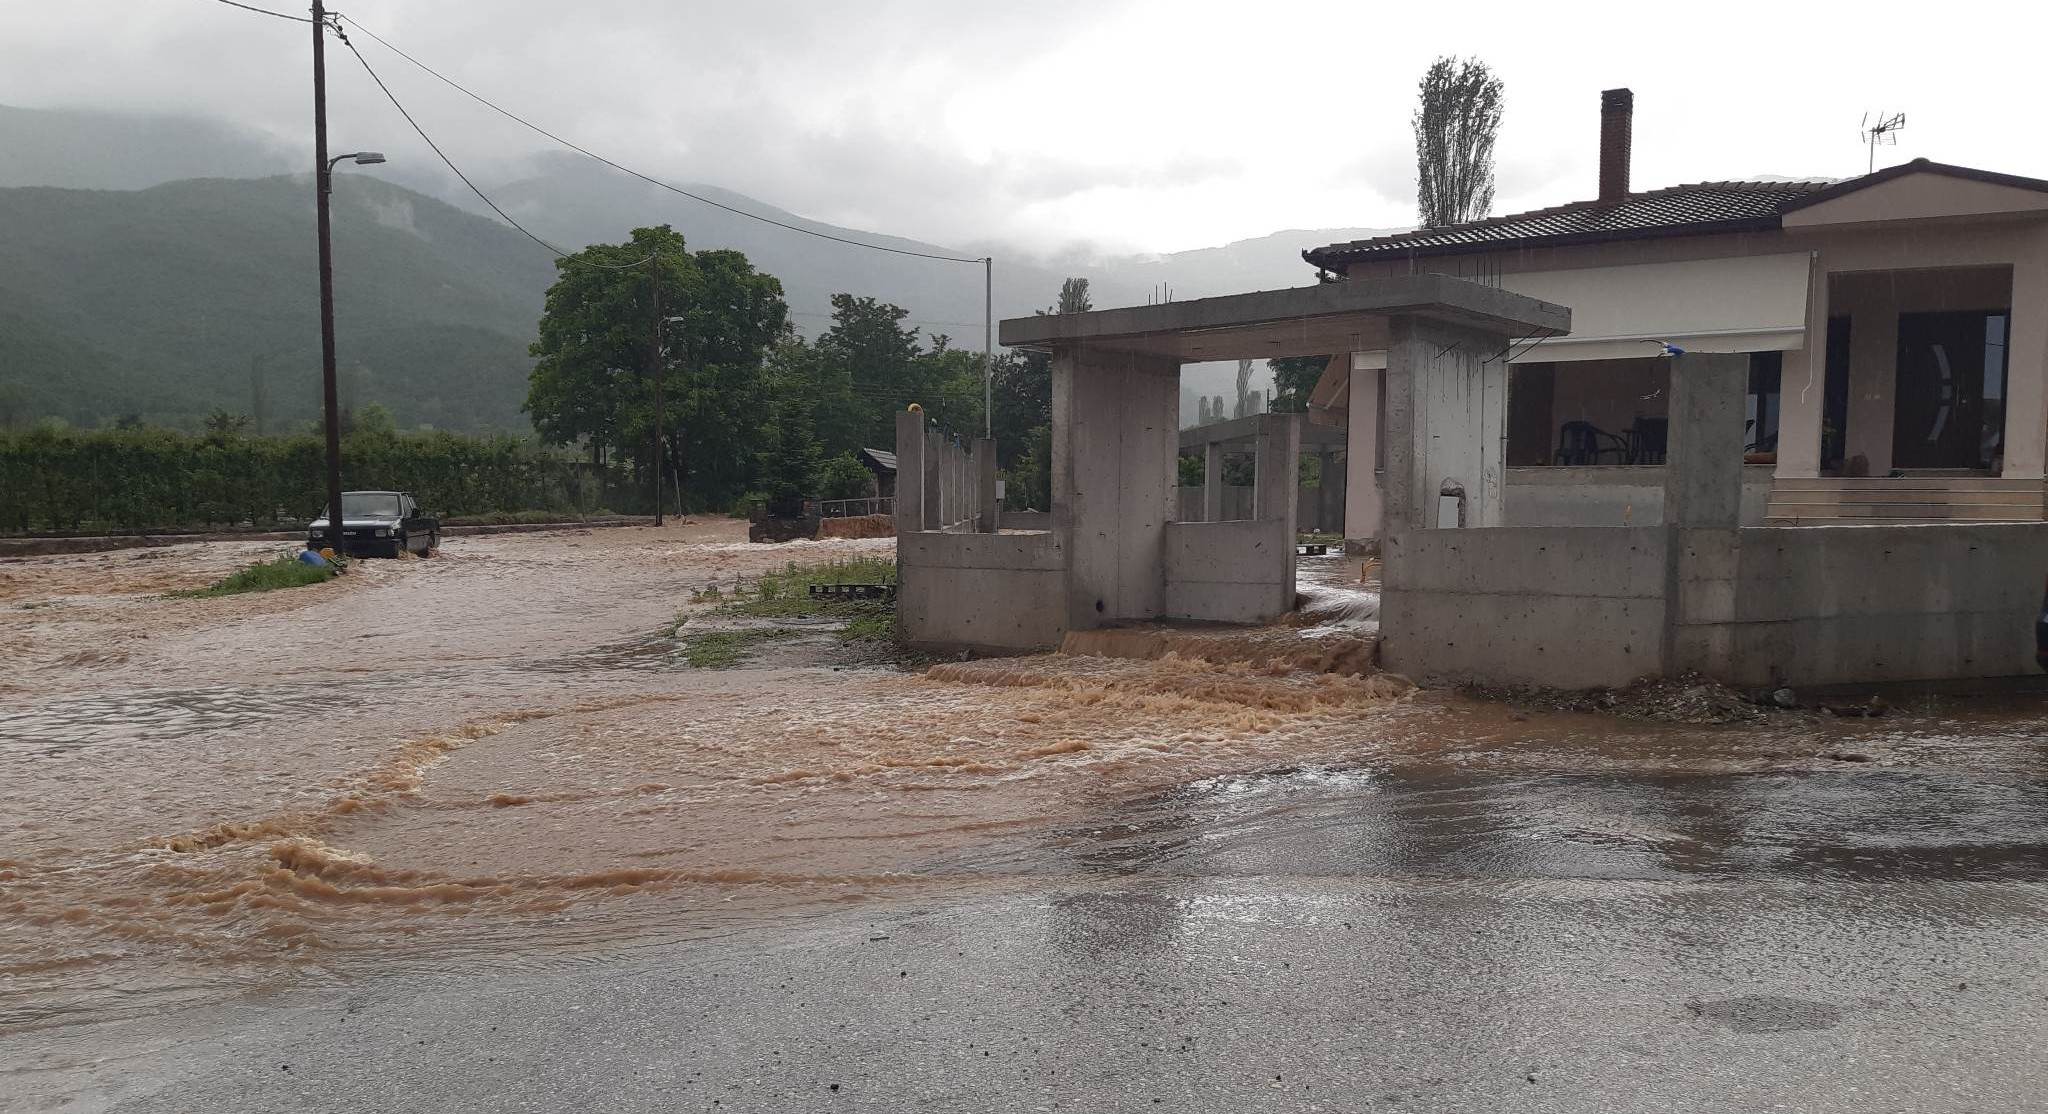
(786,595)
(723,649)
(286,571)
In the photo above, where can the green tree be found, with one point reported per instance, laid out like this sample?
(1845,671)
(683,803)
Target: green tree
(844,477)
(593,384)
(1293,378)
(867,370)
(1073,297)
(1456,122)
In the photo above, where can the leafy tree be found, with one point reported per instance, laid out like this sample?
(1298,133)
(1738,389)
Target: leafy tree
(1455,124)
(1073,297)
(593,382)
(867,370)
(221,425)
(374,418)
(844,477)
(1293,378)
(1030,481)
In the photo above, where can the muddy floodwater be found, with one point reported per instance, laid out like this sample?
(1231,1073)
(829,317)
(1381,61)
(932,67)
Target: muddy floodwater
(498,761)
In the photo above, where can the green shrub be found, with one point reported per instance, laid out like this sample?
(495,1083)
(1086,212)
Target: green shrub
(286,571)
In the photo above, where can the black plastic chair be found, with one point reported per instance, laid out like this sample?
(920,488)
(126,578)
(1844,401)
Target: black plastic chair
(1585,443)
(1649,441)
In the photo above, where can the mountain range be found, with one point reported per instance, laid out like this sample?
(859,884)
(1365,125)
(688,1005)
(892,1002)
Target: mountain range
(129,286)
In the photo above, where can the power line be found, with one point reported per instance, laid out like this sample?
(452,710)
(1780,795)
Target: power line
(558,253)
(528,124)
(267,11)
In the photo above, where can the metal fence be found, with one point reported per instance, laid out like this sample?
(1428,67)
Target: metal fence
(850,508)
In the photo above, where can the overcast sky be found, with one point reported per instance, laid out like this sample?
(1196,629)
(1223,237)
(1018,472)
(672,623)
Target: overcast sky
(1114,124)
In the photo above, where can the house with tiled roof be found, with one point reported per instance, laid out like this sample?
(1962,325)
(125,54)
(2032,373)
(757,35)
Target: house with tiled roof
(1896,327)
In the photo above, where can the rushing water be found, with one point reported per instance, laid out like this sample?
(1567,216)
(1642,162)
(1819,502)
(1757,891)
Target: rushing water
(490,759)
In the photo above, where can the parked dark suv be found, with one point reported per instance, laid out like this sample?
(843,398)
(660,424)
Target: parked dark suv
(378,524)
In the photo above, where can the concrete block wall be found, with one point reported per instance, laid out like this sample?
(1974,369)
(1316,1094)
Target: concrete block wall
(1566,607)
(990,592)
(1229,572)
(1840,604)
(1610,495)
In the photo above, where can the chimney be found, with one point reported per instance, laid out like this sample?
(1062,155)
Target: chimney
(1617,123)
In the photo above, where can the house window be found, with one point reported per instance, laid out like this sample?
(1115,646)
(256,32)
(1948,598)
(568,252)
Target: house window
(1760,429)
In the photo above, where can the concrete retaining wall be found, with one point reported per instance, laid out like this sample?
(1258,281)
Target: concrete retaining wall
(1230,572)
(1837,604)
(1611,495)
(1567,607)
(985,591)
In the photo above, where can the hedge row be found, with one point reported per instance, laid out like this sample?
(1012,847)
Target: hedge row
(71,481)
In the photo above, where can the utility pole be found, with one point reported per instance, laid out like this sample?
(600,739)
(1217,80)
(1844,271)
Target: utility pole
(323,173)
(660,370)
(988,344)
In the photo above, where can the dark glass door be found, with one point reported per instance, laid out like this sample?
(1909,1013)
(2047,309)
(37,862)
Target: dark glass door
(1950,390)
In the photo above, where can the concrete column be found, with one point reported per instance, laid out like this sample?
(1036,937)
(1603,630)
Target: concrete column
(1446,423)
(1277,487)
(910,445)
(1362,499)
(934,480)
(1703,473)
(1404,424)
(1873,373)
(2026,363)
(1804,385)
(1277,471)
(1212,482)
(985,477)
(1703,513)
(1115,423)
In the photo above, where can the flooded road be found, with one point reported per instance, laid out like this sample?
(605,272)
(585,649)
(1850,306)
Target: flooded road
(486,787)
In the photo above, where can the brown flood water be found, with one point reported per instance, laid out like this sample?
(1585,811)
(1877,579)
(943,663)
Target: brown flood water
(488,758)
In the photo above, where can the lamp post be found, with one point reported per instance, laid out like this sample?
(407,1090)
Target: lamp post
(323,173)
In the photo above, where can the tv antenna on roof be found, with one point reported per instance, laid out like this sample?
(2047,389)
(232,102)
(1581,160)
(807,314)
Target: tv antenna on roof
(1884,131)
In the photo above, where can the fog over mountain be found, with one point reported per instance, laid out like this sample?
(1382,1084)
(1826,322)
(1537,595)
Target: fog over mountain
(148,263)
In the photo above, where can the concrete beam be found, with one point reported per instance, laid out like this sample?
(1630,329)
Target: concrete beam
(1304,321)
(1212,482)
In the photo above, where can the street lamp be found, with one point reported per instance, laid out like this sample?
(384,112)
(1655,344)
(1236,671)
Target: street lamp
(360,158)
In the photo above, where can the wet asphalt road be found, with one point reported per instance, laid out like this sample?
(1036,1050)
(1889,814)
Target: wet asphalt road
(1869,940)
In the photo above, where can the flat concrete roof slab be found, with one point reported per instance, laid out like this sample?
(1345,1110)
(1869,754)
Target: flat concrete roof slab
(1233,430)
(1321,320)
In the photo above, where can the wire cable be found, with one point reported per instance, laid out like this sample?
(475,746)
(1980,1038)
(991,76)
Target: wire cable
(558,253)
(530,125)
(267,11)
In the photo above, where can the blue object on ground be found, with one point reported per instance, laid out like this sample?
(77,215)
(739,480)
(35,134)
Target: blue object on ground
(308,557)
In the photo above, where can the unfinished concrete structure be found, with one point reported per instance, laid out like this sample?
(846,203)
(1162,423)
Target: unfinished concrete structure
(1318,507)
(1580,607)
(1116,552)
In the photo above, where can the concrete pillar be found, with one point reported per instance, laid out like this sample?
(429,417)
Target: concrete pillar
(1363,504)
(2026,362)
(910,446)
(985,484)
(1703,512)
(1703,473)
(1873,373)
(1803,385)
(1212,482)
(1277,485)
(1446,423)
(1116,443)
(934,476)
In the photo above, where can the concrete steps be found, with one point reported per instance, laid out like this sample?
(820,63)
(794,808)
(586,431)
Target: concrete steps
(1874,499)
